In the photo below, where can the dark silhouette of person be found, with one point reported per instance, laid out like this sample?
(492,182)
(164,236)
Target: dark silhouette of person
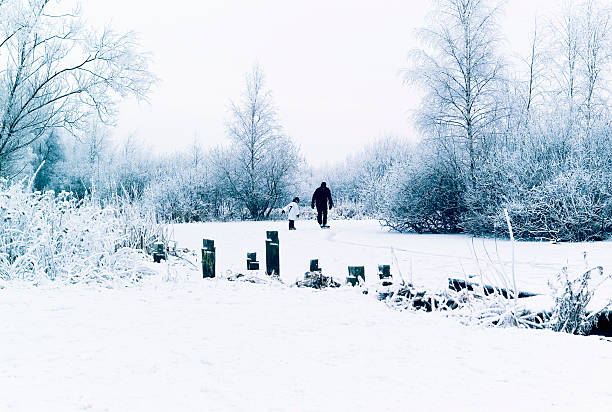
(320,198)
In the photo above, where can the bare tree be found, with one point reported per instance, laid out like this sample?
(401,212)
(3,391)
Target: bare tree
(56,74)
(594,56)
(566,45)
(535,70)
(582,50)
(261,162)
(460,72)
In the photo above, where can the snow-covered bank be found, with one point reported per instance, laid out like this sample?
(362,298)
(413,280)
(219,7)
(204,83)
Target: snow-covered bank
(219,346)
(177,342)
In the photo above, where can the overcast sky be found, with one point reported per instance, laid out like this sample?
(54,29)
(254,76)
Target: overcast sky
(333,66)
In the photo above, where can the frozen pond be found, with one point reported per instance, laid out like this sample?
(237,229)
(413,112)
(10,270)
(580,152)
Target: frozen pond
(425,259)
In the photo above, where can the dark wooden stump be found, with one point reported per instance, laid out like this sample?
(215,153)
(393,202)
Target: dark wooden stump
(159,252)
(252,263)
(604,325)
(314,265)
(272,254)
(384,271)
(272,235)
(208,258)
(356,272)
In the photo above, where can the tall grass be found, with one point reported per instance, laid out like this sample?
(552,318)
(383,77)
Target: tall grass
(46,237)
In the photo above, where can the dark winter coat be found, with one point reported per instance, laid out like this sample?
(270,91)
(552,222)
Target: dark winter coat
(320,198)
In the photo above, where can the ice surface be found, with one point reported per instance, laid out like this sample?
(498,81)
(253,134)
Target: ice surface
(427,260)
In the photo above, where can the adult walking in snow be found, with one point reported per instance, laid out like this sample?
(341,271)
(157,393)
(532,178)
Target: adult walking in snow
(293,212)
(320,198)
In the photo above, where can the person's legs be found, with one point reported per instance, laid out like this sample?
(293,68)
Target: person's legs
(319,216)
(291,224)
(324,217)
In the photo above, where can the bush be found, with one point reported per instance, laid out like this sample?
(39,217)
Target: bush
(486,199)
(573,206)
(572,296)
(425,197)
(347,210)
(44,237)
(179,200)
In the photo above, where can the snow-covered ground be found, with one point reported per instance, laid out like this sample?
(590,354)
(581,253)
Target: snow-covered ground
(181,343)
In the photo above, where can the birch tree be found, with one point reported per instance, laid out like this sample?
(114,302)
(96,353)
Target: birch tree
(582,52)
(460,71)
(594,58)
(259,166)
(566,46)
(535,70)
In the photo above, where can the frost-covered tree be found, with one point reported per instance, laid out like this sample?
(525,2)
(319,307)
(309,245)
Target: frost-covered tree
(362,179)
(55,73)
(595,57)
(582,52)
(536,143)
(460,71)
(261,163)
(567,41)
(529,84)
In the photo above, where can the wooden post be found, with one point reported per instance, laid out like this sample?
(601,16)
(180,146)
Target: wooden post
(272,235)
(272,254)
(314,265)
(252,263)
(355,272)
(384,271)
(159,252)
(208,258)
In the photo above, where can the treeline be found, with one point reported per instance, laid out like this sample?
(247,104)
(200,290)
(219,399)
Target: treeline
(247,178)
(532,136)
(528,135)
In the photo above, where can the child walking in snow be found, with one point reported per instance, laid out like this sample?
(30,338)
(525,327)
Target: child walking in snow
(293,212)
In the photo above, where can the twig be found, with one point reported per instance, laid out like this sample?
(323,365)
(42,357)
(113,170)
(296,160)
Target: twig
(512,241)
(398,267)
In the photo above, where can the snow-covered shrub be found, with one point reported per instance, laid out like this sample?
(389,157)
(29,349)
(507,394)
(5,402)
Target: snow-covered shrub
(348,210)
(47,237)
(257,276)
(317,280)
(572,296)
(139,222)
(575,205)
(494,310)
(409,297)
(179,199)
(426,196)
(472,307)
(487,197)
(556,184)
(359,183)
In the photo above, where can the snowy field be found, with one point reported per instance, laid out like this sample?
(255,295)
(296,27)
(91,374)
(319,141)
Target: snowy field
(180,343)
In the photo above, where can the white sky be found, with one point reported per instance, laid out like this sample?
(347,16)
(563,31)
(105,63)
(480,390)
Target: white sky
(333,66)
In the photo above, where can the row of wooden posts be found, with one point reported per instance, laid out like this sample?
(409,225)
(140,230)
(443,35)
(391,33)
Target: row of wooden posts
(273,261)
